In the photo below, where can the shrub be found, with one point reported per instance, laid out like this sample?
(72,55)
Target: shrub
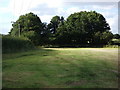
(115,42)
(12,44)
(111,46)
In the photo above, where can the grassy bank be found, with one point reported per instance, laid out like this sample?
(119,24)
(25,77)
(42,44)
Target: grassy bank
(61,67)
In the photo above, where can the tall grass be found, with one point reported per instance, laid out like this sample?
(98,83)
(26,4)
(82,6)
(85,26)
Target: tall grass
(14,44)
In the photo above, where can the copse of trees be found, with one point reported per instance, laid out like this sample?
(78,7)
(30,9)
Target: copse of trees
(84,28)
(79,29)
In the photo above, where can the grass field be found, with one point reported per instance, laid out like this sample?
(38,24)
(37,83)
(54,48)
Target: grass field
(61,68)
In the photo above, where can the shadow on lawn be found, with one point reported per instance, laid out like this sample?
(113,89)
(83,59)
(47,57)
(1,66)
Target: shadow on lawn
(33,52)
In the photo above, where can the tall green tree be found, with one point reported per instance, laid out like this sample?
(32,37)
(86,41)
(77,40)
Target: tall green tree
(54,23)
(30,26)
(81,27)
(27,22)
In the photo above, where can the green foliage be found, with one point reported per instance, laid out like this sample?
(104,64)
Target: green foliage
(102,38)
(27,22)
(32,36)
(116,36)
(82,27)
(15,44)
(115,42)
(79,29)
(111,46)
(54,23)
(30,27)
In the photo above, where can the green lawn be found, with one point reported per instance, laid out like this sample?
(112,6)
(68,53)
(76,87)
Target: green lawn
(61,68)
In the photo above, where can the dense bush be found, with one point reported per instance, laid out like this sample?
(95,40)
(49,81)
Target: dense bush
(32,36)
(115,42)
(12,44)
(111,46)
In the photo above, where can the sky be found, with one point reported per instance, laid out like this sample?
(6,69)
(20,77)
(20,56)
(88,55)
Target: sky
(10,10)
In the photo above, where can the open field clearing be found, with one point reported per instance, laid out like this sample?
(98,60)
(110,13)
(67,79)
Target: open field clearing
(61,68)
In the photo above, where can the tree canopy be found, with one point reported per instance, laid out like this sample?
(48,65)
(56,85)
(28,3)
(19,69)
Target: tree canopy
(80,28)
(54,23)
(30,27)
(27,22)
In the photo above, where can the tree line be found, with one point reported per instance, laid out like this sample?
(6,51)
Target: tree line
(79,29)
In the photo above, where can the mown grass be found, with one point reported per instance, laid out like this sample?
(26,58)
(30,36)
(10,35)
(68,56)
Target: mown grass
(61,68)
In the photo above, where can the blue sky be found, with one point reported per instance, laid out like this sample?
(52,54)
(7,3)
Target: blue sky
(46,9)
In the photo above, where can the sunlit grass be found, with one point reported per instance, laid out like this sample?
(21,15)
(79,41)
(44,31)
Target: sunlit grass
(61,67)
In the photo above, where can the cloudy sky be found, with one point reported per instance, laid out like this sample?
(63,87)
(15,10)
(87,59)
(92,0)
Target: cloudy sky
(10,10)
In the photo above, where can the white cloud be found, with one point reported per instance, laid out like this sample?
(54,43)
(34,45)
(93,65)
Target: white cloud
(4,10)
(5,28)
(54,3)
(60,10)
(19,7)
(105,7)
(46,18)
(113,22)
(73,9)
(91,0)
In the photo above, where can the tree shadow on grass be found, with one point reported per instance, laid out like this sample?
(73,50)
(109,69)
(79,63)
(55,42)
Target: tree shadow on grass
(32,52)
